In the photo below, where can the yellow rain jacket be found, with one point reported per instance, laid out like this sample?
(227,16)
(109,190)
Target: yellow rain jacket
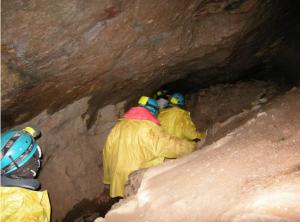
(22,205)
(134,144)
(178,122)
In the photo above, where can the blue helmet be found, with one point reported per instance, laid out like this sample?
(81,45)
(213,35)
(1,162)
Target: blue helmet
(18,147)
(149,104)
(177,99)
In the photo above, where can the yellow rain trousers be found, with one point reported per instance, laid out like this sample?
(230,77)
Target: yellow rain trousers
(178,122)
(22,205)
(135,144)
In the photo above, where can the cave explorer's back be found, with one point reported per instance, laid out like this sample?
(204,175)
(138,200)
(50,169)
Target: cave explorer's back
(20,162)
(138,141)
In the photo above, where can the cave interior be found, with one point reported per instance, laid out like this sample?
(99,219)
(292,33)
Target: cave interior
(73,68)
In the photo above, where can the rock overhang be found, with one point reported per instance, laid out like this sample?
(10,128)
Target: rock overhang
(54,53)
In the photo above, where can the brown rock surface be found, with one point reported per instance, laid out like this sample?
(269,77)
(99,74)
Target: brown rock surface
(72,159)
(252,174)
(61,51)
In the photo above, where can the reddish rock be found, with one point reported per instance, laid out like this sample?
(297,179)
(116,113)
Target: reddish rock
(61,51)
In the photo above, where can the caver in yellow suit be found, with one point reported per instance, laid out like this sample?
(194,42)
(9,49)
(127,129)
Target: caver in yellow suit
(136,142)
(177,121)
(20,204)
(20,162)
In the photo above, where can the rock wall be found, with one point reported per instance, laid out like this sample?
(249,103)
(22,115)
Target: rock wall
(57,52)
(223,107)
(72,164)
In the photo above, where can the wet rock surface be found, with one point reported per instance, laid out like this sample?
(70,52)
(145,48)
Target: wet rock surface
(252,174)
(57,52)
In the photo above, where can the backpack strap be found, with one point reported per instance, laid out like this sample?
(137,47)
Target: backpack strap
(31,184)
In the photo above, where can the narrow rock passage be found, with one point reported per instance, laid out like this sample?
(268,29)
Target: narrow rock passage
(251,174)
(72,68)
(223,108)
(220,109)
